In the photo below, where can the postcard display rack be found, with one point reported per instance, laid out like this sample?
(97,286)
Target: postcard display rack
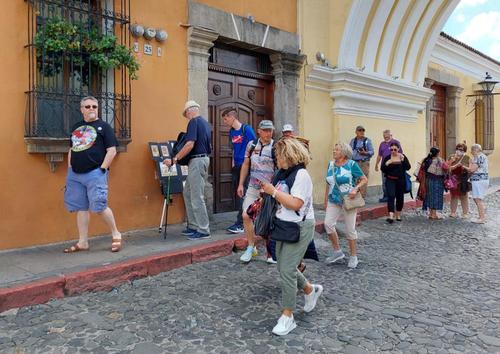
(171,179)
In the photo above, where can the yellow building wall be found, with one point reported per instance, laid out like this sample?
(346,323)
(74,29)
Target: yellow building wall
(31,197)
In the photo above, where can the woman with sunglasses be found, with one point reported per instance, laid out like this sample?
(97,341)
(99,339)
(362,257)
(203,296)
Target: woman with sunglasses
(435,169)
(456,164)
(394,166)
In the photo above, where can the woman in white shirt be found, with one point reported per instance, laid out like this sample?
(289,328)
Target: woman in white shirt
(479,179)
(293,191)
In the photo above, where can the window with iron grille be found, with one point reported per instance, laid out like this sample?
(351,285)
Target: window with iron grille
(485,129)
(58,79)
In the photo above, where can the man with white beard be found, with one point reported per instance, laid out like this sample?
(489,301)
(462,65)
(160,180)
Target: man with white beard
(93,148)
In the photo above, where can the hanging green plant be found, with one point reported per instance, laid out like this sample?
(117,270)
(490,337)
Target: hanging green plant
(59,40)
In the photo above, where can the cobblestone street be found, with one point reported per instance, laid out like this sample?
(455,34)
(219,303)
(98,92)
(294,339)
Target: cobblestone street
(420,287)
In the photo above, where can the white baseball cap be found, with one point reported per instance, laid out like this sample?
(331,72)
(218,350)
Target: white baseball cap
(287,128)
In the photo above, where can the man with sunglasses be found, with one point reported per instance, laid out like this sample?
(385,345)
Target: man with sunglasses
(362,152)
(93,148)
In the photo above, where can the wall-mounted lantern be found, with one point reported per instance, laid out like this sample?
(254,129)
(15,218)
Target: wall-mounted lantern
(487,86)
(161,35)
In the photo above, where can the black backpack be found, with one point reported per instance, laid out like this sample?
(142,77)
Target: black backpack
(354,143)
(179,144)
(273,151)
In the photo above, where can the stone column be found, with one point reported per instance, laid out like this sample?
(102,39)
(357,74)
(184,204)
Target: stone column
(200,40)
(427,84)
(453,95)
(286,71)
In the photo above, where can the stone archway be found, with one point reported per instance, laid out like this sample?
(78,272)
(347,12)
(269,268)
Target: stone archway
(209,24)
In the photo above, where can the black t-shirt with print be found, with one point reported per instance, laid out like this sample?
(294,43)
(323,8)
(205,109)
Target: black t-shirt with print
(89,141)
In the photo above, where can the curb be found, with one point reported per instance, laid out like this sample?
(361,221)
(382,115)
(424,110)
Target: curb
(105,278)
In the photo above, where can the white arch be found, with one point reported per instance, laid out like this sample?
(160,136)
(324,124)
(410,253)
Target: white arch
(375,34)
(406,34)
(431,42)
(353,32)
(418,37)
(390,36)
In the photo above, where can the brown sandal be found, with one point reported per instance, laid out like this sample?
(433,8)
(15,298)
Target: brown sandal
(116,244)
(75,248)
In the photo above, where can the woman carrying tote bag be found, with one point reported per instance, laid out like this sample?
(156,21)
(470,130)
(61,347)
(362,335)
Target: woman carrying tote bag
(344,179)
(295,212)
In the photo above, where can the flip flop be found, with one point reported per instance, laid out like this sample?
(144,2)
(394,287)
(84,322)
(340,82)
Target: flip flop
(75,248)
(116,244)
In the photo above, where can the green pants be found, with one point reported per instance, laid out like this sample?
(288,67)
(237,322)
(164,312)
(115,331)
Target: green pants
(289,256)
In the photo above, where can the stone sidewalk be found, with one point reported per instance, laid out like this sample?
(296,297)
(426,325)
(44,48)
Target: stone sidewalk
(421,287)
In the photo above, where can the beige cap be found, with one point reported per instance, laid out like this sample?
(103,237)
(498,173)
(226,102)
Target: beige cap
(188,105)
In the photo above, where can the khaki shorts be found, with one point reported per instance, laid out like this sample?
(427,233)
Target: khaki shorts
(251,196)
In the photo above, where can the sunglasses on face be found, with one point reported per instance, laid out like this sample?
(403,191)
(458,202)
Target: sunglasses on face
(90,106)
(394,149)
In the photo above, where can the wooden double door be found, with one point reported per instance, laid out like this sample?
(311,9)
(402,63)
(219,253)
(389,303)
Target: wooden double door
(253,100)
(437,122)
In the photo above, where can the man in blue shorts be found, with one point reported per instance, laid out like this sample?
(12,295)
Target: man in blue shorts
(93,148)
(240,135)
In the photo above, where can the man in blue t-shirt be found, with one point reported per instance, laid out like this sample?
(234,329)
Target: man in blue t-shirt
(240,134)
(198,147)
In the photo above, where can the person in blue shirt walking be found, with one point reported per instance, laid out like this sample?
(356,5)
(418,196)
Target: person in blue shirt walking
(240,134)
(362,152)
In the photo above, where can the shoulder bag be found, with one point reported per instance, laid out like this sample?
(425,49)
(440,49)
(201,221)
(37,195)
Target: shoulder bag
(286,231)
(349,204)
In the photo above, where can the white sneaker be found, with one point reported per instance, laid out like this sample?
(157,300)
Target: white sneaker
(250,252)
(353,262)
(284,326)
(312,298)
(335,256)
(270,260)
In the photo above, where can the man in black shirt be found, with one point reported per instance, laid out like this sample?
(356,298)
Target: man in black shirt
(198,146)
(93,147)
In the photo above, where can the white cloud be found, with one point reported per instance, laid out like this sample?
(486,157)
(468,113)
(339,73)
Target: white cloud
(470,3)
(482,26)
(460,18)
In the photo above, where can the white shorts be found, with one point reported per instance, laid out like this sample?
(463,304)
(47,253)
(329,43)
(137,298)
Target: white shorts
(479,188)
(251,196)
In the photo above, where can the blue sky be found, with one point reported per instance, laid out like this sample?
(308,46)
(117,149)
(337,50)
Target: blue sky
(477,23)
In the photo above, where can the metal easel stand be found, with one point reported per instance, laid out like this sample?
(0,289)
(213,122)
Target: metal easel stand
(164,213)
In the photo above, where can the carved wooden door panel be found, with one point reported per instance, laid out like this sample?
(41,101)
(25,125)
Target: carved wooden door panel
(253,99)
(438,119)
